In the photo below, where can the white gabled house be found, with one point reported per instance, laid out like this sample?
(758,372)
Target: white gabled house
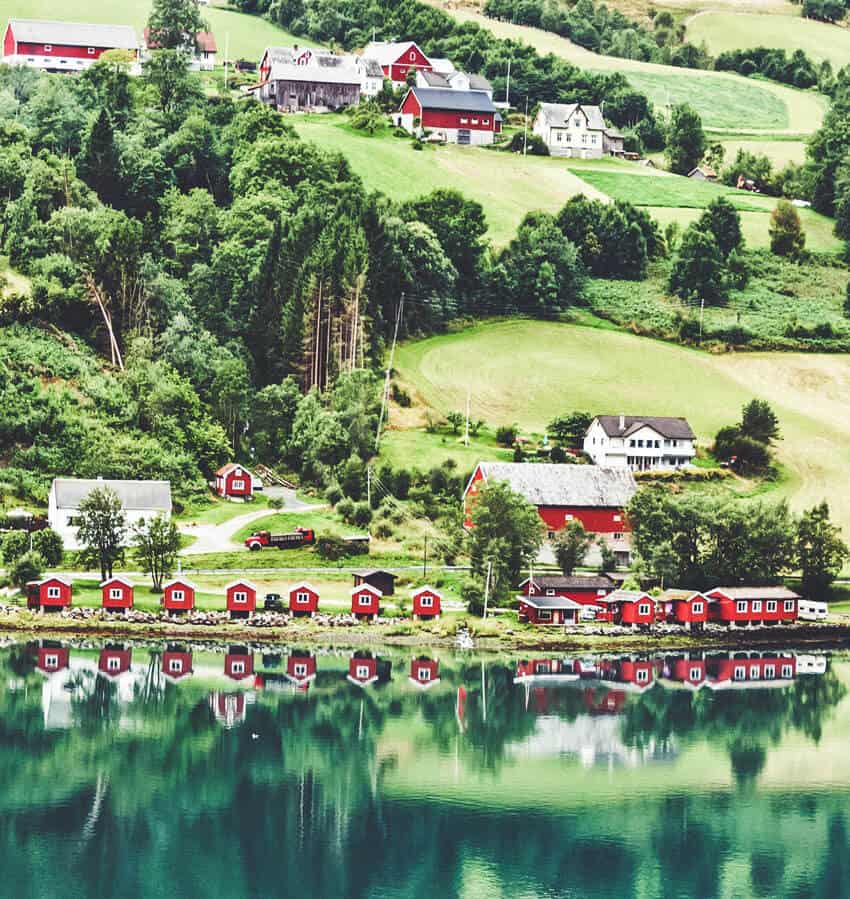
(573,129)
(640,443)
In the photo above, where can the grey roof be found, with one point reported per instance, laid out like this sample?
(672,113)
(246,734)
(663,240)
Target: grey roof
(559,114)
(755,592)
(435,79)
(388,53)
(136,496)
(550,602)
(458,101)
(320,74)
(75,34)
(289,54)
(479,83)
(626,596)
(441,64)
(571,582)
(371,67)
(547,484)
(672,428)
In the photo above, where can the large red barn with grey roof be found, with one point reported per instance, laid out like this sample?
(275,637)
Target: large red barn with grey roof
(64,46)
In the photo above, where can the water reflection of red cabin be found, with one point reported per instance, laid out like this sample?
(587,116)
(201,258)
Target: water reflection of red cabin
(301,669)
(117,593)
(176,664)
(365,601)
(688,671)
(544,671)
(424,672)
(604,701)
(241,598)
(688,608)
(635,674)
(238,663)
(363,671)
(50,593)
(741,670)
(229,709)
(114,661)
(51,657)
(303,599)
(427,602)
(179,595)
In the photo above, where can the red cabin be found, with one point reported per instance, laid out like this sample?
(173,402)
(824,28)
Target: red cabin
(632,608)
(49,594)
(686,607)
(301,670)
(117,593)
(176,664)
(365,601)
(241,599)
(238,663)
(179,596)
(427,602)
(424,672)
(741,670)
(114,661)
(51,658)
(303,600)
(234,482)
(749,606)
(548,610)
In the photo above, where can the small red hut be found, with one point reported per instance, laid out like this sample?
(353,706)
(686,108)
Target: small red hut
(176,663)
(238,663)
(427,602)
(117,593)
(51,657)
(301,670)
(114,661)
(303,599)
(424,672)
(686,607)
(232,481)
(241,599)
(179,596)
(49,594)
(365,601)
(632,608)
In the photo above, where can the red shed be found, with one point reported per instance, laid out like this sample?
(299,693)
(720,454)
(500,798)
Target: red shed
(179,595)
(238,663)
(742,670)
(686,607)
(632,608)
(50,593)
(303,599)
(427,602)
(51,657)
(234,482)
(548,610)
(241,599)
(301,670)
(398,58)
(117,593)
(176,663)
(748,606)
(424,672)
(114,661)
(365,601)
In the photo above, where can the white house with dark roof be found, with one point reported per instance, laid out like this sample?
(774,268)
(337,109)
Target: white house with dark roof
(141,501)
(640,443)
(573,129)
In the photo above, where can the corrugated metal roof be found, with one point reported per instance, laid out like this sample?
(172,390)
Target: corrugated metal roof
(672,428)
(456,101)
(756,592)
(626,596)
(571,582)
(205,41)
(137,496)
(548,484)
(75,34)
(559,114)
(550,602)
(317,74)
(388,52)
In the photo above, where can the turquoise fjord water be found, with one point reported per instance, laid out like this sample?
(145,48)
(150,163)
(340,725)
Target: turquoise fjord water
(175,770)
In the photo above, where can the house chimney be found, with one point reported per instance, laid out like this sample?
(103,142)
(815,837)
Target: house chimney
(622,422)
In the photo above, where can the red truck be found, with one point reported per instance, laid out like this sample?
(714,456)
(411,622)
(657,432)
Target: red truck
(265,539)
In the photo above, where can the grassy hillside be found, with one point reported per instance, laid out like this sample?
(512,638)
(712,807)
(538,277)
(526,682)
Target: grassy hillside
(732,30)
(246,36)
(528,372)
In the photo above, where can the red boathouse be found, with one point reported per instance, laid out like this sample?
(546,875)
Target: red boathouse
(232,481)
(365,601)
(427,602)
(632,608)
(303,600)
(750,606)
(424,672)
(176,663)
(238,663)
(49,594)
(686,607)
(117,593)
(178,596)
(241,599)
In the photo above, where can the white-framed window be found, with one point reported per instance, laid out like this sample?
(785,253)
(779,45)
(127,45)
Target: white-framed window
(584,138)
(577,122)
(550,591)
(475,121)
(423,674)
(789,605)
(569,516)
(485,121)
(642,675)
(695,674)
(696,608)
(177,595)
(237,667)
(91,51)
(175,666)
(643,608)
(464,121)
(299,669)
(115,593)
(741,606)
(362,671)
(618,518)
(787,671)
(541,667)
(113,663)
(593,138)
(53,593)
(412,55)
(756,605)
(48,48)
(240,596)
(771,605)
(755,672)
(426,601)
(601,593)
(51,661)
(364,599)
(545,614)
(618,535)
(558,136)
(770,672)
(302,597)
(740,672)
(238,484)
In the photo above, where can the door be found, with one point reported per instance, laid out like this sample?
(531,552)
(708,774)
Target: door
(463,136)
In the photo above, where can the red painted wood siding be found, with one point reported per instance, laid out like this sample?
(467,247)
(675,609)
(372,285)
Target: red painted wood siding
(312,604)
(557,616)
(588,596)
(722,670)
(412,58)
(725,609)
(304,673)
(53,602)
(424,670)
(249,604)
(433,609)
(188,601)
(124,601)
(692,671)
(226,485)
(370,606)
(628,613)
(182,663)
(8,42)
(471,121)
(60,51)
(683,611)
(369,666)
(53,658)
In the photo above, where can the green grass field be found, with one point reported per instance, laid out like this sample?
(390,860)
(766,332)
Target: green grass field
(528,372)
(724,30)
(244,36)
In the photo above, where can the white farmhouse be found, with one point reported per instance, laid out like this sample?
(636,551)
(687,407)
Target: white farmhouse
(141,500)
(641,443)
(572,129)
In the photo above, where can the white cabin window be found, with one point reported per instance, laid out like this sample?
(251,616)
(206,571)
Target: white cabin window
(48,48)
(789,605)
(238,484)
(577,122)
(362,671)
(51,661)
(302,597)
(770,671)
(412,55)
(115,593)
(53,593)
(485,121)
(618,518)
(364,599)
(91,51)
(755,672)
(113,663)
(756,605)
(787,671)
(426,601)
(237,667)
(695,674)
(550,591)
(423,674)
(741,606)
(600,593)
(299,670)
(177,595)
(568,517)
(740,672)
(240,596)
(475,121)
(642,675)
(464,121)
(771,605)
(643,608)
(696,608)
(175,666)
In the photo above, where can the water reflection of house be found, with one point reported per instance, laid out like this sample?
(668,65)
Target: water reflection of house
(238,663)
(424,672)
(365,669)
(301,670)
(742,670)
(176,663)
(230,709)
(632,673)
(542,672)
(114,662)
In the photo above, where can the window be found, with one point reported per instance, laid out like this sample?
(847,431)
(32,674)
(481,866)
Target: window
(593,138)
(475,121)
(695,674)
(53,593)
(426,601)
(364,599)
(618,535)
(51,661)
(640,444)
(741,607)
(643,608)
(696,608)
(237,668)
(113,663)
(789,605)
(550,591)
(177,595)
(618,518)
(755,672)
(423,674)
(601,592)
(240,596)
(115,593)
(541,667)
(302,597)
(642,675)
(584,138)
(632,443)
(412,55)
(577,122)
(299,670)
(787,671)
(558,137)
(756,605)
(568,517)
(771,605)
(91,51)
(48,48)
(238,484)
(770,671)
(740,672)
(485,121)
(545,614)
(175,666)
(361,671)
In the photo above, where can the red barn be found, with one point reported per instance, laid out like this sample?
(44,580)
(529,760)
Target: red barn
(749,606)
(427,602)
(49,594)
(301,670)
(456,116)
(51,657)
(742,670)
(63,46)
(179,596)
(365,601)
(592,495)
(303,599)
(238,663)
(114,661)
(424,672)
(686,607)
(398,58)
(234,482)
(117,593)
(632,608)
(241,599)
(176,663)
(548,610)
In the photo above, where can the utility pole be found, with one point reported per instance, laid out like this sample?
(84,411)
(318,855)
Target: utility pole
(369,485)
(385,400)
(525,128)
(425,559)
(508,86)
(226,54)
(701,311)
(466,430)
(487,588)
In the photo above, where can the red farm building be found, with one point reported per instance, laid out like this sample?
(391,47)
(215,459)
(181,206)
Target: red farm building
(424,672)
(232,481)
(592,495)
(427,602)
(114,661)
(238,663)
(454,116)
(398,58)
(64,46)
(365,601)
(750,606)
(751,670)
(303,600)
(49,594)
(301,670)
(176,663)
(51,657)
(588,591)
(117,593)
(241,599)
(632,608)
(686,607)
(548,610)
(178,596)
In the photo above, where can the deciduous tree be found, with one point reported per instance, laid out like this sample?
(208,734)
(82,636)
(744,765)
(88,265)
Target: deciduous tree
(102,530)
(820,549)
(157,543)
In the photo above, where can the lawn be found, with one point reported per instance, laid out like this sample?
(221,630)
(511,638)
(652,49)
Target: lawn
(244,36)
(724,30)
(219,511)
(406,447)
(567,367)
